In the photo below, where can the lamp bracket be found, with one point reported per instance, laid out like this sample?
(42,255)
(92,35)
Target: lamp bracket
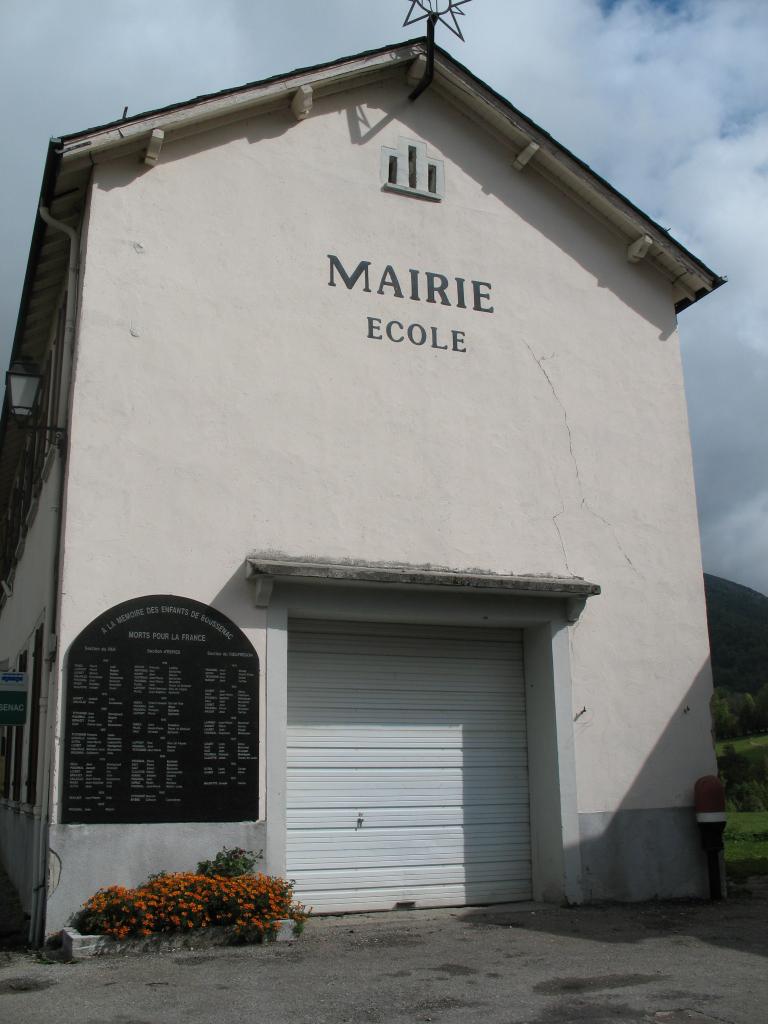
(58,434)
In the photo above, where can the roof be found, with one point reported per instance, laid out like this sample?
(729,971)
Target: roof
(70,159)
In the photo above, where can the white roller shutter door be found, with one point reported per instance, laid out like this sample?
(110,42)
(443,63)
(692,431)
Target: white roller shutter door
(407,766)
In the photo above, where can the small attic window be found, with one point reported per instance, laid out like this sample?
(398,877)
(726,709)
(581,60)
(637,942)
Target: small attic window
(409,170)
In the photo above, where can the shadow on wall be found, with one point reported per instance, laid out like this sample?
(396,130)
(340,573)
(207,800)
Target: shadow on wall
(259,128)
(229,601)
(361,128)
(640,854)
(636,852)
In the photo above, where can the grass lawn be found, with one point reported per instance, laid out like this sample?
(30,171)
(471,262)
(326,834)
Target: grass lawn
(746,844)
(750,746)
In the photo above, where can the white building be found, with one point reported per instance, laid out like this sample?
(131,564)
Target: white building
(395,388)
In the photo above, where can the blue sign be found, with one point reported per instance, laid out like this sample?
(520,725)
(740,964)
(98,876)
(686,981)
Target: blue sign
(13,680)
(13,698)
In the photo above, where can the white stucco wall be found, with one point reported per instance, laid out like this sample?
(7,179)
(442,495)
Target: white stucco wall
(227,399)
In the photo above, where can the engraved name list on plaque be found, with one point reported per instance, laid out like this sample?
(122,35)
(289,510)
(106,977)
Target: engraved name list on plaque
(161,717)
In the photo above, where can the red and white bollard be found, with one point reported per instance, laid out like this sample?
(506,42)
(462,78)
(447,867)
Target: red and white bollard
(709,801)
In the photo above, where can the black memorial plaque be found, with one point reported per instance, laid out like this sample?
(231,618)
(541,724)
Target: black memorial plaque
(162,717)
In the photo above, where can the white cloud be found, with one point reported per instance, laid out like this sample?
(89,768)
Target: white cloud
(726,536)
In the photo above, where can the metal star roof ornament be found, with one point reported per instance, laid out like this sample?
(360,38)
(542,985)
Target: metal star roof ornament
(434,11)
(438,10)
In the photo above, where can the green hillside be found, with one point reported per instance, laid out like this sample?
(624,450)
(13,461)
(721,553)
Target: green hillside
(738,635)
(746,845)
(754,748)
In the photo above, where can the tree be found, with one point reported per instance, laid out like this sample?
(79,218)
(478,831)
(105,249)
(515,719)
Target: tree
(748,715)
(724,721)
(747,796)
(734,768)
(761,709)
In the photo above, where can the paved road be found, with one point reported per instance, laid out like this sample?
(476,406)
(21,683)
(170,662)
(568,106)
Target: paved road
(667,963)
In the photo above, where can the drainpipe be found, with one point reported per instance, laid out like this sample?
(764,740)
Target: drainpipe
(48,709)
(429,73)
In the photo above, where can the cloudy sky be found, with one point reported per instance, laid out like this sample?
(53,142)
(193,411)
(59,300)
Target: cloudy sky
(668,99)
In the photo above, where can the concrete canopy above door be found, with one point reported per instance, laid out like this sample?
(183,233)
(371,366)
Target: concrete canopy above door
(263,571)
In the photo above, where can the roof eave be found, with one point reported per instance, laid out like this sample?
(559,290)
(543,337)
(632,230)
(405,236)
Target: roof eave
(690,278)
(113,140)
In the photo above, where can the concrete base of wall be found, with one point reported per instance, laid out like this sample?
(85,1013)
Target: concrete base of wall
(75,946)
(642,855)
(85,858)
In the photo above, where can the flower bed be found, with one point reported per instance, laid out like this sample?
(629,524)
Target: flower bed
(251,905)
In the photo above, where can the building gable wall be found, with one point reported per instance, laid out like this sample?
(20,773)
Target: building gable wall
(228,399)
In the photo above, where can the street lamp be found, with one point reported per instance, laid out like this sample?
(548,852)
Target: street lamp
(22,383)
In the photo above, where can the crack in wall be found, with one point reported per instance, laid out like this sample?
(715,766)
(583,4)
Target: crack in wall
(619,545)
(572,630)
(555,517)
(540,360)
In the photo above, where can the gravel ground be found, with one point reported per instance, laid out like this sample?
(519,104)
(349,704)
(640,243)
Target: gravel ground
(672,963)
